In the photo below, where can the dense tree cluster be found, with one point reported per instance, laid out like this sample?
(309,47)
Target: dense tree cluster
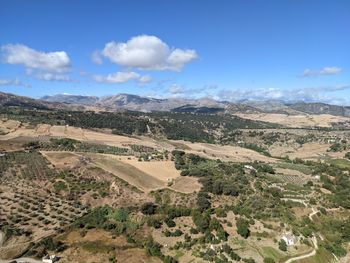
(178,126)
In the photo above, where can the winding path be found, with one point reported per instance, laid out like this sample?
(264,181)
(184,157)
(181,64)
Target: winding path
(26,260)
(312,253)
(314,239)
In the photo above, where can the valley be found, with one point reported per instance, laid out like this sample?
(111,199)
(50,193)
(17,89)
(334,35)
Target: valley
(100,187)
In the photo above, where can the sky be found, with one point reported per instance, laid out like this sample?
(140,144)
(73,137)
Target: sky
(234,50)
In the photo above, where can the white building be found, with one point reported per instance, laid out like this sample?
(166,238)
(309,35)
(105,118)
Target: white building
(249,167)
(290,239)
(50,259)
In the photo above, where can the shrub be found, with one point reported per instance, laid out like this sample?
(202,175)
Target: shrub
(243,227)
(148,208)
(282,245)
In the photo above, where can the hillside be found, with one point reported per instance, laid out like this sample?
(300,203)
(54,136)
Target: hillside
(11,100)
(321,108)
(70,187)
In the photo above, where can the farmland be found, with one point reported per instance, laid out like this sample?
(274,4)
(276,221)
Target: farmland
(92,192)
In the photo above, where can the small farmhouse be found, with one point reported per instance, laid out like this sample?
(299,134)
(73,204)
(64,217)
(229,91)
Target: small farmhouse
(290,239)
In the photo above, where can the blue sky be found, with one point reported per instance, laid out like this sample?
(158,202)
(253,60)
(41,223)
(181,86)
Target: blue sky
(232,50)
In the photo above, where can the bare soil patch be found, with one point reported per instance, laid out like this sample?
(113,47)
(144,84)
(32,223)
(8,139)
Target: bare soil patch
(312,150)
(7,126)
(186,184)
(62,160)
(162,170)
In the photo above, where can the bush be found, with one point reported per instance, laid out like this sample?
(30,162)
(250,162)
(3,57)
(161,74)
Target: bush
(243,227)
(148,208)
(282,245)
(347,155)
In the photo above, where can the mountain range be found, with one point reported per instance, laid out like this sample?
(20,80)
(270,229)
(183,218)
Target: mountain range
(146,104)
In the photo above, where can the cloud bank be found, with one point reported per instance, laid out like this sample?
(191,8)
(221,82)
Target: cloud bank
(312,94)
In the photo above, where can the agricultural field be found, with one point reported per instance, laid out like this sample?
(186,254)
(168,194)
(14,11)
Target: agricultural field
(89,193)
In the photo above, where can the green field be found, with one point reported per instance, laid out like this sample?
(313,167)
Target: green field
(322,256)
(341,163)
(298,167)
(272,253)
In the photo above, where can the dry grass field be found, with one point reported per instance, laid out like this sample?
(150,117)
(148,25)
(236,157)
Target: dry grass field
(313,150)
(62,160)
(99,246)
(46,131)
(296,121)
(225,152)
(212,151)
(128,172)
(7,126)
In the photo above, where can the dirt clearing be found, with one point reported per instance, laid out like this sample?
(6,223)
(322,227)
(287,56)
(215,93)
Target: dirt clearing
(62,160)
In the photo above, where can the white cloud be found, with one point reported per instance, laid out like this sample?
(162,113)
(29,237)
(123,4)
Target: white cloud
(308,73)
(18,54)
(313,94)
(148,53)
(49,66)
(330,71)
(96,57)
(176,89)
(122,77)
(324,71)
(13,82)
(145,79)
(53,77)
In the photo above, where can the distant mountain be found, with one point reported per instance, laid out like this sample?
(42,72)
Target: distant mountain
(145,104)
(11,100)
(321,108)
(133,102)
(72,99)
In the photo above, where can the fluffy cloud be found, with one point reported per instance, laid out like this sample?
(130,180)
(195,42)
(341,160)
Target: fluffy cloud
(147,53)
(13,82)
(324,71)
(22,55)
(122,77)
(42,65)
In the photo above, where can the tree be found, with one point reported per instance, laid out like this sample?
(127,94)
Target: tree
(202,201)
(282,245)
(347,155)
(243,227)
(201,220)
(148,208)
